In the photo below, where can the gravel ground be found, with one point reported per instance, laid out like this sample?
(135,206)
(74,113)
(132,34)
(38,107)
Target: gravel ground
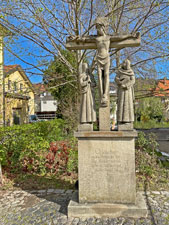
(49,207)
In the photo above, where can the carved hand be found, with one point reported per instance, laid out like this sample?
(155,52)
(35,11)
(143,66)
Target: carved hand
(124,86)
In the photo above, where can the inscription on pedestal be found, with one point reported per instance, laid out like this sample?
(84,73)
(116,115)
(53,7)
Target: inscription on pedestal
(107,171)
(100,160)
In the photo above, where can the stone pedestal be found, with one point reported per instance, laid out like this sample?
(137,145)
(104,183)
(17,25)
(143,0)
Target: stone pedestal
(106,166)
(99,210)
(104,118)
(106,170)
(85,127)
(125,126)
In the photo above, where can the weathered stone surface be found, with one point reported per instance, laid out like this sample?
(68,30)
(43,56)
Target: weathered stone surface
(102,42)
(125,80)
(120,41)
(104,118)
(106,134)
(106,167)
(100,210)
(87,108)
(85,127)
(125,126)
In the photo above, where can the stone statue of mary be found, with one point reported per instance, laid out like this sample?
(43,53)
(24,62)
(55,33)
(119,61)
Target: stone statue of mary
(125,80)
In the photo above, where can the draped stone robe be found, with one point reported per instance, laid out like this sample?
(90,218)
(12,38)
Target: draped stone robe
(125,80)
(87,109)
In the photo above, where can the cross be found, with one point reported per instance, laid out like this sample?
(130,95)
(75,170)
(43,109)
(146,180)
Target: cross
(103,42)
(116,41)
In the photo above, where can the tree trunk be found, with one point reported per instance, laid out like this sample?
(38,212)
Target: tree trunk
(1,179)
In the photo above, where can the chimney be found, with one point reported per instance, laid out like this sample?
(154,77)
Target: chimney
(165,81)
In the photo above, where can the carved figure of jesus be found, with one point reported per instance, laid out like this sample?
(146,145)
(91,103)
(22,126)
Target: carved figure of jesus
(103,60)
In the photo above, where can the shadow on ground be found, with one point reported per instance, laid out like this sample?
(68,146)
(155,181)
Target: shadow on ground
(37,182)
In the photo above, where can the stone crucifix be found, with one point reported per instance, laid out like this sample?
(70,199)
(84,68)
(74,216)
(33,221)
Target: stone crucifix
(103,42)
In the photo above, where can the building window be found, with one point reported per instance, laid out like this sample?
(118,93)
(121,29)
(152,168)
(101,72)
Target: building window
(9,85)
(21,87)
(15,86)
(44,102)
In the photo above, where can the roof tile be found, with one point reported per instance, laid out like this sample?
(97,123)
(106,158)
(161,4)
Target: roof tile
(9,67)
(162,88)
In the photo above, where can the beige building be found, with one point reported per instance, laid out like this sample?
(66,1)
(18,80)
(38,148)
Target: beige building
(19,95)
(3,33)
(16,90)
(45,103)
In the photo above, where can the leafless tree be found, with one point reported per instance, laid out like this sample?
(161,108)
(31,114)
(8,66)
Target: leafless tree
(45,24)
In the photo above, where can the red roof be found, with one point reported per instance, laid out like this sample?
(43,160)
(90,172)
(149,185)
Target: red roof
(162,88)
(40,87)
(10,67)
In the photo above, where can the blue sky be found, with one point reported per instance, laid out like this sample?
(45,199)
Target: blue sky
(11,60)
(35,55)
(30,53)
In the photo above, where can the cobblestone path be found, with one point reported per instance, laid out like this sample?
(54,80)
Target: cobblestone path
(49,207)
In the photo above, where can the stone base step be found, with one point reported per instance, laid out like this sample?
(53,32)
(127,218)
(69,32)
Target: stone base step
(100,210)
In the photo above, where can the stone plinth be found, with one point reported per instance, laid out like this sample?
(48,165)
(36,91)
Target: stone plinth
(104,118)
(106,167)
(125,126)
(85,127)
(99,210)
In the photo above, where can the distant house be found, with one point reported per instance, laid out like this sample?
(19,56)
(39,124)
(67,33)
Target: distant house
(162,91)
(45,104)
(113,89)
(144,88)
(18,94)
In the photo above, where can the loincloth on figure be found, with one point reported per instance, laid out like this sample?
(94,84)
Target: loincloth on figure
(103,61)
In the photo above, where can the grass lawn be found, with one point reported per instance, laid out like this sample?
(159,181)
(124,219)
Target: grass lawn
(151,175)
(158,179)
(150,124)
(37,182)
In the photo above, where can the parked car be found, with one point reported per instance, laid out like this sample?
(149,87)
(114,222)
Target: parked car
(33,119)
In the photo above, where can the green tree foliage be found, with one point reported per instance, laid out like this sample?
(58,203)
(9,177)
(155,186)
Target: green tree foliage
(39,147)
(151,172)
(150,109)
(63,85)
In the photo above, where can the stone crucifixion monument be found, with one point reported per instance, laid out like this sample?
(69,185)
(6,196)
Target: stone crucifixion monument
(106,159)
(102,42)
